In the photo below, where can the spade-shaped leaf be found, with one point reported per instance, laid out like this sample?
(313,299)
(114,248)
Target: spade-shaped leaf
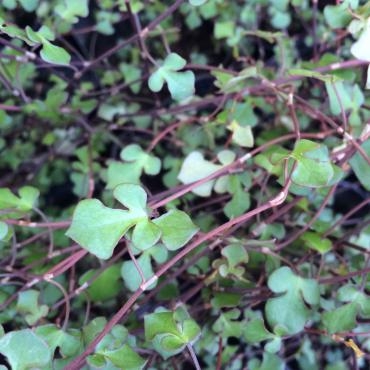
(344,317)
(68,342)
(28,306)
(194,168)
(146,233)
(180,84)
(177,228)
(351,293)
(106,286)
(124,358)
(69,10)
(314,241)
(137,163)
(313,168)
(255,332)
(340,319)
(242,135)
(149,164)
(133,197)
(131,275)
(27,199)
(98,228)
(228,324)
(25,350)
(289,309)
(170,333)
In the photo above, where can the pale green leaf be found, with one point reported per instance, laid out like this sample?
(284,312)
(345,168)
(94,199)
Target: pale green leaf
(177,229)
(70,10)
(180,84)
(54,54)
(194,168)
(131,275)
(145,234)
(197,2)
(360,49)
(288,309)
(25,350)
(360,167)
(98,228)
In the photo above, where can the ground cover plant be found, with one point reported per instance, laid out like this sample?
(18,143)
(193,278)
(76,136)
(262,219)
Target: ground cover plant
(184,184)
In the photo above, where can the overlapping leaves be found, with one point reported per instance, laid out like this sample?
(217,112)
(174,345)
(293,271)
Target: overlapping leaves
(98,228)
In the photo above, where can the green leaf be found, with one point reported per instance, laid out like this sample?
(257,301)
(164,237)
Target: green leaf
(269,362)
(194,168)
(280,19)
(312,74)
(197,2)
(28,306)
(25,350)
(125,358)
(138,162)
(97,228)
(313,168)
(106,286)
(108,111)
(341,319)
(228,324)
(4,230)
(180,84)
(145,234)
(238,204)
(235,254)
(9,4)
(149,164)
(225,299)
(351,293)
(131,73)
(120,173)
(131,275)
(224,29)
(177,228)
(54,54)
(242,135)
(159,323)
(289,310)
(170,333)
(314,241)
(29,5)
(70,10)
(339,97)
(272,160)
(255,331)
(337,16)
(14,32)
(360,166)
(49,53)
(27,199)
(68,342)
(93,328)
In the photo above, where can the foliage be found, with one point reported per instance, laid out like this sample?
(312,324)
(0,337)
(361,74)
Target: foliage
(184,184)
